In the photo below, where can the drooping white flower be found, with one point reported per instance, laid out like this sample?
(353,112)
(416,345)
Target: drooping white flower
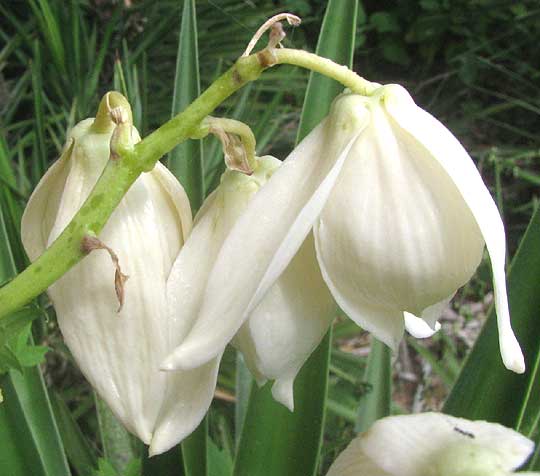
(400,216)
(120,352)
(434,444)
(288,324)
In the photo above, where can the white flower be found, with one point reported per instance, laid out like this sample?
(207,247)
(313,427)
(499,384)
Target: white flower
(120,352)
(433,444)
(288,324)
(400,216)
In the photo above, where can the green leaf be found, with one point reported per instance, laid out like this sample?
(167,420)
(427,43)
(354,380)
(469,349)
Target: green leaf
(166,464)
(485,389)
(118,445)
(79,453)
(194,451)
(186,160)
(377,401)
(219,461)
(9,360)
(30,441)
(40,150)
(105,469)
(243,387)
(275,441)
(28,432)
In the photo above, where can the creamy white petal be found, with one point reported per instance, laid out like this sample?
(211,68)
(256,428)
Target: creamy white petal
(188,394)
(246,345)
(119,353)
(412,445)
(267,235)
(419,328)
(352,461)
(282,332)
(40,212)
(189,275)
(427,324)
(177,198)
(423,134)
(288,324)
(187,399)
(433,313)
(387,239)
(187,279)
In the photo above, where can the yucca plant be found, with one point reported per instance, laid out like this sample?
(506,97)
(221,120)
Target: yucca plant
(57,58)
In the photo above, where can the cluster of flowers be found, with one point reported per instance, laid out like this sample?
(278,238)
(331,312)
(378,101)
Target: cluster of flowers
(379,209)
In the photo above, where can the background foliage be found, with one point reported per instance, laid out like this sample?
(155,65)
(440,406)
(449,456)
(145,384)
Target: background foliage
(473,64)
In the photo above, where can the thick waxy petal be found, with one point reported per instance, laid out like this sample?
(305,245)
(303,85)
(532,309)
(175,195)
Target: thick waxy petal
(40,212)
(418,445)
(42,208)
(187,399)
(288,324)
(292,318)
(424,135)
(417,327)
(268,235)
(119,353)
(395,235)
(189,274)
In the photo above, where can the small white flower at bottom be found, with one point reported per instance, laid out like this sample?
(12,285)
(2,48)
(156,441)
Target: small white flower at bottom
(434,444)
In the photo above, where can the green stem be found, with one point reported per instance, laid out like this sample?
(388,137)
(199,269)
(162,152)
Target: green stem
(326,67)
(119,174)
(180,127)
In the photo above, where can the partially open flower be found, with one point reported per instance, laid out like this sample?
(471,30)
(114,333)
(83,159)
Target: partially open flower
(433,444)
(288,324)
(400,216)
(119,352)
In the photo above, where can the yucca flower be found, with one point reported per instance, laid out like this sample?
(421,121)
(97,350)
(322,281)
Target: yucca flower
(282,331)
(119,352)
(434,444)
(400,216)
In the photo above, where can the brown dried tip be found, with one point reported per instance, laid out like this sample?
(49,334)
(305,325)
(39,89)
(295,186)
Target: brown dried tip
(277,35)
(233,150)
(119,115)
(92,243)
(269,24)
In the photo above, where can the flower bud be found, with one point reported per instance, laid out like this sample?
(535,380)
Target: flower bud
(119,352)
(285,327)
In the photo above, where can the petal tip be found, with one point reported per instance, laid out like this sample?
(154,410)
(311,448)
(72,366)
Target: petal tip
(156,448)
(282,391)
(516,363)
(419,328)
(188,357)
(176,361)
(167,365)
(511,353)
